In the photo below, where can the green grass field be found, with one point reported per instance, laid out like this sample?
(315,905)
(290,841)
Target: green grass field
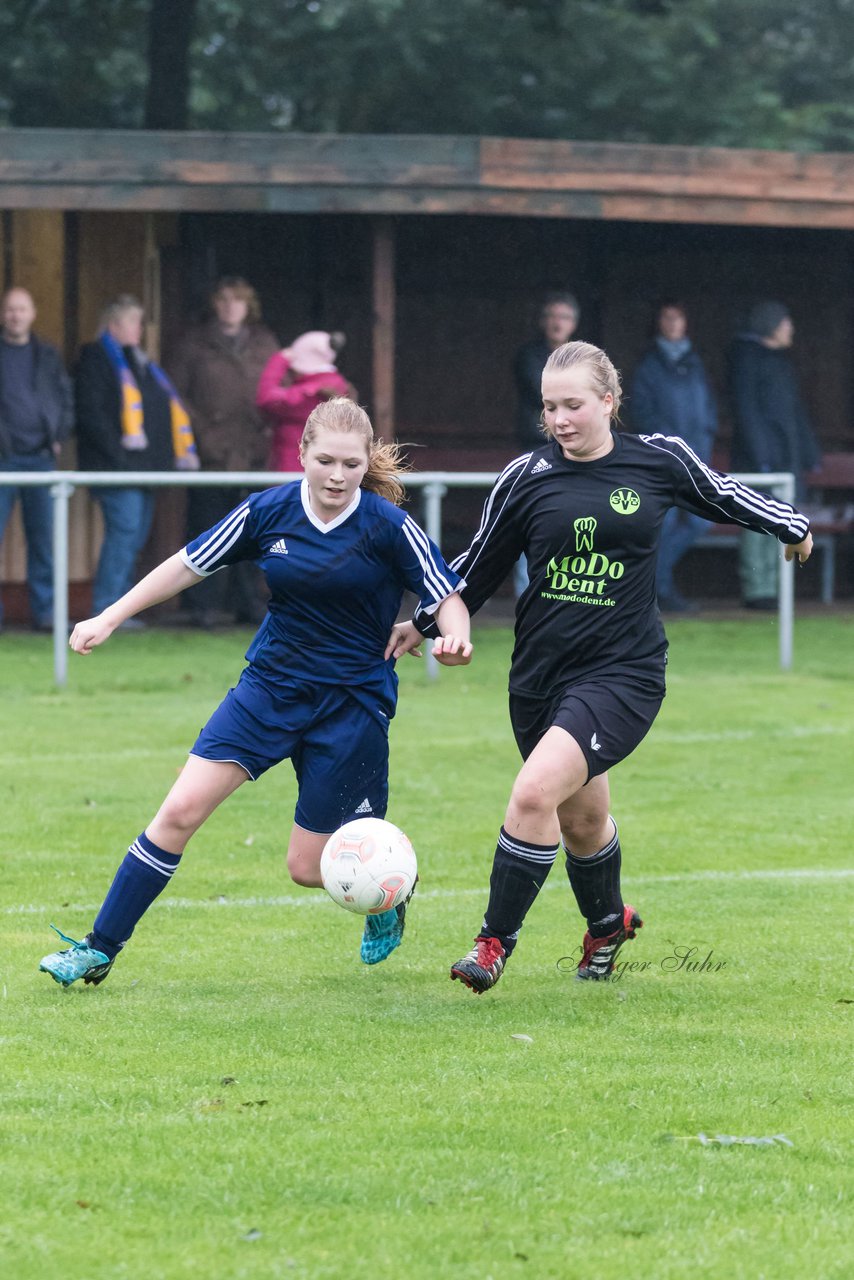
(242,1098)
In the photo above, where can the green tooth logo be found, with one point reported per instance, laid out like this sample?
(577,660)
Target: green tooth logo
(585,527)
(624,501)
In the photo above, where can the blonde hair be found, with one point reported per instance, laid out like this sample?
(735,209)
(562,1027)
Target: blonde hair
(603,376)
(385,461)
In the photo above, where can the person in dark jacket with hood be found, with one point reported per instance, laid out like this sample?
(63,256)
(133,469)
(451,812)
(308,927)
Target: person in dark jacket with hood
(671,394)
(36,415)
(771,430)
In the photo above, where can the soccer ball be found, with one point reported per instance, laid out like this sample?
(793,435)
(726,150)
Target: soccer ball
(368,866)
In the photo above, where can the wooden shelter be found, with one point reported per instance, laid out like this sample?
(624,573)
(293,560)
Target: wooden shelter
(431,253)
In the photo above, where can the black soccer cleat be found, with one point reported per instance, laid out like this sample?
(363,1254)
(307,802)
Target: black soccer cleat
(483,965)
(600,954)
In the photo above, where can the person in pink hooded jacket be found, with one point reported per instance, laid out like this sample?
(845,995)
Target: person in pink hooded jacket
(294,382)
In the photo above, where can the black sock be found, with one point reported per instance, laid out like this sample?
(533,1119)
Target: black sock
(519,871)
(595,882)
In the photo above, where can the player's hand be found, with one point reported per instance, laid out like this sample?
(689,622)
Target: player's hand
(803,550)
(405,638)
(452,651)
(87,635)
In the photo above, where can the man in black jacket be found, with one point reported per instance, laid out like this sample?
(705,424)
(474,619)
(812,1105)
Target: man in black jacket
(771,431)
(36,416)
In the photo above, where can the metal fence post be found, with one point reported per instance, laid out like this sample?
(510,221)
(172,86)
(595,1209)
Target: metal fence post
(61,493)
(786,593)
(433,495)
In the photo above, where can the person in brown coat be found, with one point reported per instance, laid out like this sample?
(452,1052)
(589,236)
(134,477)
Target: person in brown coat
(216,371)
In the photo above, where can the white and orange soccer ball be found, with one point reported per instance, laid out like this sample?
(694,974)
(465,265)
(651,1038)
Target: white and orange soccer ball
(368,866)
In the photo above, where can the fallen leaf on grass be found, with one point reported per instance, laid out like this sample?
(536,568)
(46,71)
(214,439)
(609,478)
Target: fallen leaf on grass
(254,1234)
(519,1035)
(228,1080)
(260,1102)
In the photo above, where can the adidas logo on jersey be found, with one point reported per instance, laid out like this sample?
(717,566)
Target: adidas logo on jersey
(542,465)
(364,807)
(279,548)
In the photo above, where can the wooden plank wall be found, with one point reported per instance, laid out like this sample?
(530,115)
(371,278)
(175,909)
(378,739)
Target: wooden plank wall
(109,258)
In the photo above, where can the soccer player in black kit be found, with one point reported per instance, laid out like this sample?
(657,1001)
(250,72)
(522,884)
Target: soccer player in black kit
(587,672)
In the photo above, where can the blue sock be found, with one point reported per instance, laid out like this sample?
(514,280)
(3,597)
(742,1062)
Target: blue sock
(143,875)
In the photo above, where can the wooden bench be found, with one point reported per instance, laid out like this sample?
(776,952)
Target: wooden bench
(830,507)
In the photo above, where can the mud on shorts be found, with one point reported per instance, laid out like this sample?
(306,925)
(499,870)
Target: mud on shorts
(607,714)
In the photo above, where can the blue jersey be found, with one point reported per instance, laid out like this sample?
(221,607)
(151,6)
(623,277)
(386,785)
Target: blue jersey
(335,588)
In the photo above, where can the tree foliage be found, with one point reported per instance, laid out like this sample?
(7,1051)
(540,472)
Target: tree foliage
(771,73)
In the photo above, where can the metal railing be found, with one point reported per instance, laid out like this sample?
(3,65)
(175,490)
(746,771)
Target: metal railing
(434,484)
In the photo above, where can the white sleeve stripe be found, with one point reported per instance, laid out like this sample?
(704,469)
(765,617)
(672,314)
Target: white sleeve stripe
(224,538)
(750,499)
(203,573)
(410,527)
(518,465)
(235,521)
(439,585)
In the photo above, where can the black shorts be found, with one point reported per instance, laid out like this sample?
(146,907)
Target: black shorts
(607,714)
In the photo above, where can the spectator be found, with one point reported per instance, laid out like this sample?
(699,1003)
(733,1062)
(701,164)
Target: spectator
(671,394)
(294,382)
(771,431)
(558,321)
(129,418)
(36,416)
(216,370)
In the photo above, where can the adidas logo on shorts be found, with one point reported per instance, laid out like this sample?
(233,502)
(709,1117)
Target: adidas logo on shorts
(279,548)
(542,465)
(364,807)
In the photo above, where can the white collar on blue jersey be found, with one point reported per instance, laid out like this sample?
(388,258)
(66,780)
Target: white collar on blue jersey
(332,524)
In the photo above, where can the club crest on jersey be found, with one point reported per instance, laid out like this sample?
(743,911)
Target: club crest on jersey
(585,527)
(624,501)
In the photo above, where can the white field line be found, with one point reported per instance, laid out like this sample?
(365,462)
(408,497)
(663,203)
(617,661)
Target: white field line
(816,874)
(671,736)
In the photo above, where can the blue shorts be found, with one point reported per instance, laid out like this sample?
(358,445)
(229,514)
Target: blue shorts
(338,748)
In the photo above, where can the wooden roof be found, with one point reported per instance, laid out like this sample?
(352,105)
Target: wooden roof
(392,174)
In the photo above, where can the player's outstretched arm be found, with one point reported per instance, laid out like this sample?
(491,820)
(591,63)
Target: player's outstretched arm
(453,647)
(161,584)
(803,550)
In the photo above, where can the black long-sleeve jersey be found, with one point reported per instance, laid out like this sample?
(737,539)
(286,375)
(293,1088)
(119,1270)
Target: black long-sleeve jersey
(590,531)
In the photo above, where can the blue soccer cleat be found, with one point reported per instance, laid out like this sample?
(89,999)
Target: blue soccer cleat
(80,961)
(383,934)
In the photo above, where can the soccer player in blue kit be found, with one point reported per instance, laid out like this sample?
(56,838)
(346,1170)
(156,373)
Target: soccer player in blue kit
(320,686)
(587,672)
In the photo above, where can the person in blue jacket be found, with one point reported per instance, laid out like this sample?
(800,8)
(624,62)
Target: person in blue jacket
(671,394)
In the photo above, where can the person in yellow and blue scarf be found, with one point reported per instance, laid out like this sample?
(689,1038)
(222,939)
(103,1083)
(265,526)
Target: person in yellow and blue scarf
(129,418)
